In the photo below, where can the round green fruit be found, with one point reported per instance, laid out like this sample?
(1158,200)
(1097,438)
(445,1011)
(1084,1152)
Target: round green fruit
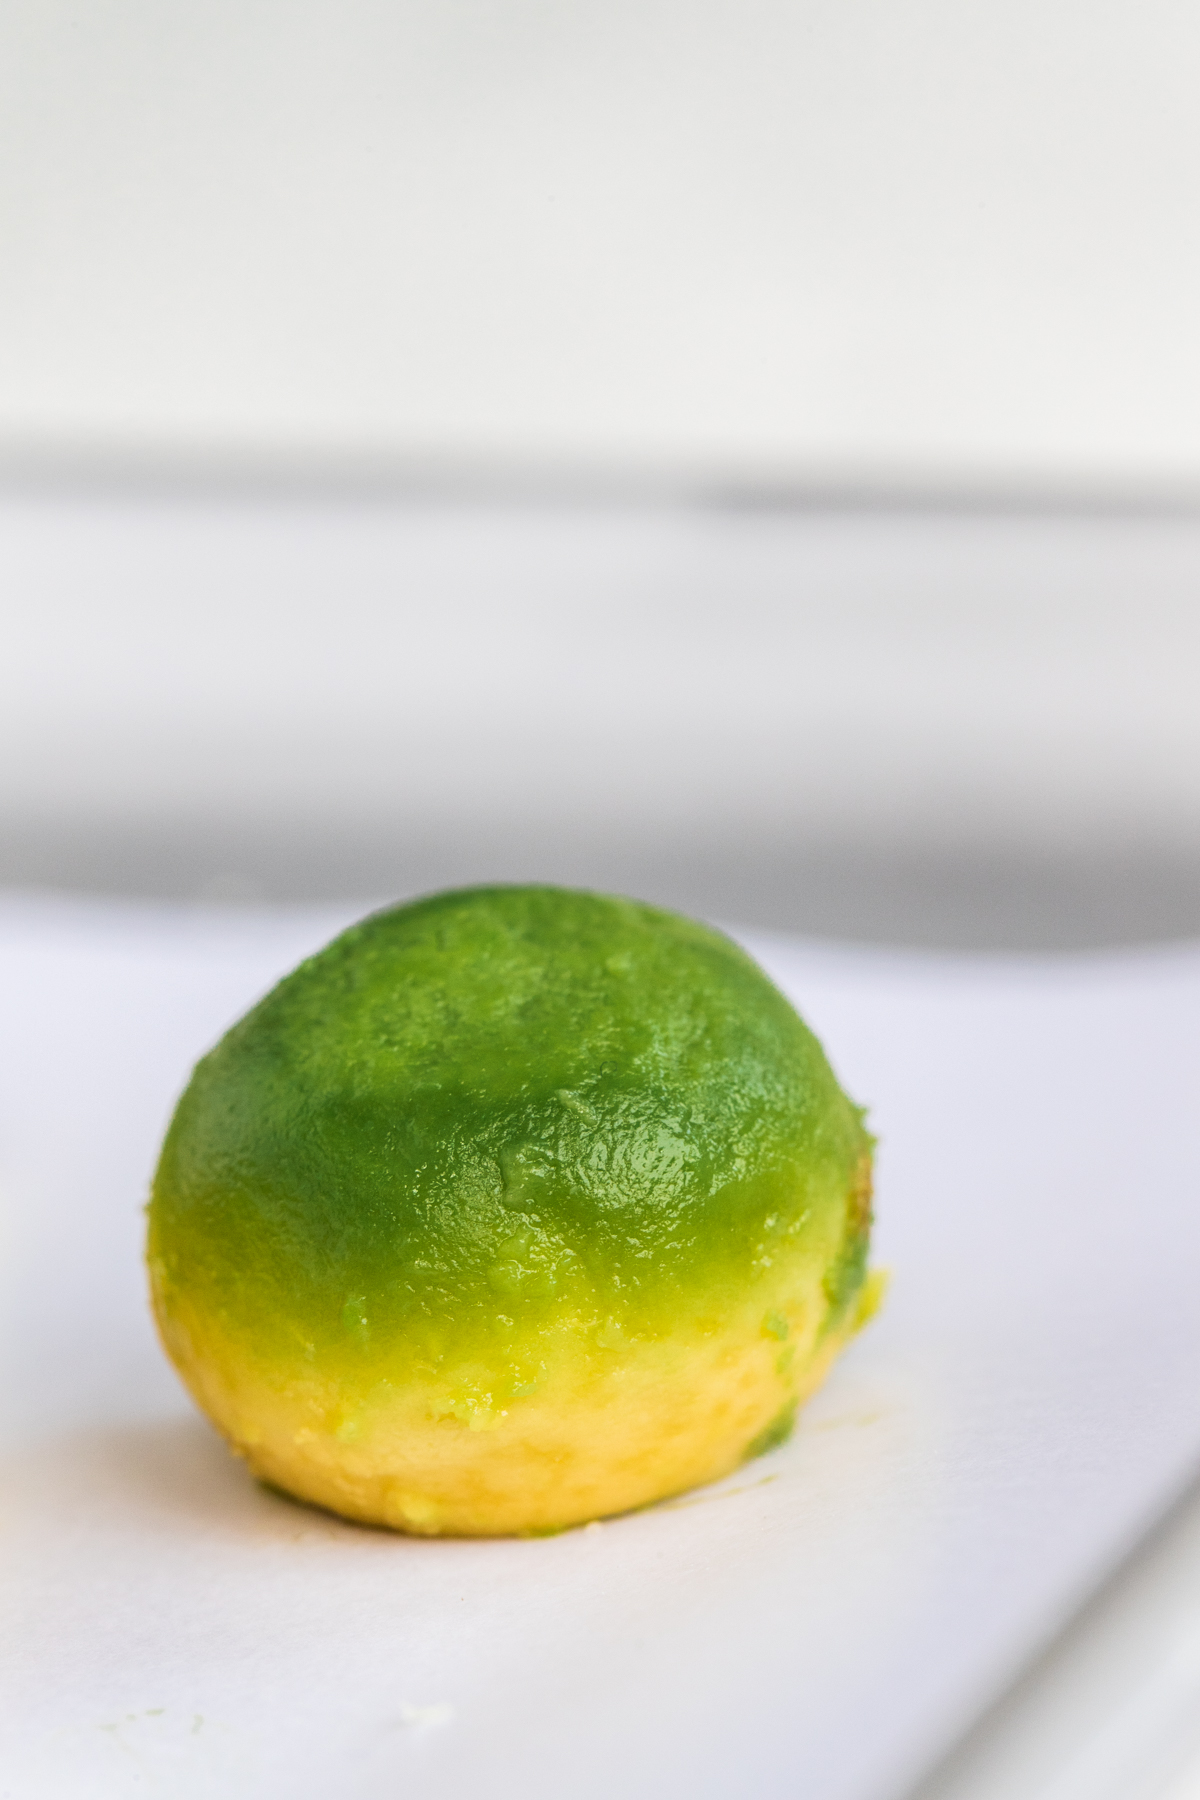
(511,1208)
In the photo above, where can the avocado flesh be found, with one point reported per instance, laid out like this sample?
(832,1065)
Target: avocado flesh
(511,1208)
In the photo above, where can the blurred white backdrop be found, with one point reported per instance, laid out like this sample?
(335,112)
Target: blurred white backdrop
(964,678)
(350,699)
(746,454)
(829,243)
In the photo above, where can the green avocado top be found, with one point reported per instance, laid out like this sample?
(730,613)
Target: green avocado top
(505,1099)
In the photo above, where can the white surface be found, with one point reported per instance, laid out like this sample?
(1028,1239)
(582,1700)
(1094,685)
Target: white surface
(1186,1783)
(1113,1711)
(833,241)
(819,1626)
(857,677)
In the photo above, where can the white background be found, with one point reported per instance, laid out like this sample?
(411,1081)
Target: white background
(939,241)
(362,287)
(1000,680)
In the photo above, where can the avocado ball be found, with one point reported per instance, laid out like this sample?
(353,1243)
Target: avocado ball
(512,1208)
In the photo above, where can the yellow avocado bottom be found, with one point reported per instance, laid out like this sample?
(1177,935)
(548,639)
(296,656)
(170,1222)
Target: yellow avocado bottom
(608,1429)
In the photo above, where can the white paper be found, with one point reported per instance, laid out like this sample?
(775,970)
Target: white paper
(821,1625)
